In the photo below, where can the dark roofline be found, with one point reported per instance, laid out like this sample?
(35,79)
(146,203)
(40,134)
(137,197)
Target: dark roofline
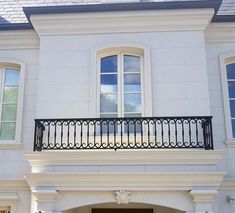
(223,18)
(123,7)
(137,6)
(16,26)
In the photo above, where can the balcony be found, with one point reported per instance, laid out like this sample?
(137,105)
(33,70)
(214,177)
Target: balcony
(124,133)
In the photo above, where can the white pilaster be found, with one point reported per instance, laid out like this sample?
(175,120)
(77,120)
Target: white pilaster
(45,200)
(203,200)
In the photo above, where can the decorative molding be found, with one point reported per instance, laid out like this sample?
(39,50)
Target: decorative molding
(203,200)
(230,144)
(228,184)
(112,22)
(14,185)
(8,197)
(136,180)
(122,196)
(220,32)
(125,157)
(203,196)
(19,39)
(11,145)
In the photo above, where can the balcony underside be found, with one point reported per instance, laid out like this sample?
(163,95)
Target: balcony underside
(124,157)
(133,169)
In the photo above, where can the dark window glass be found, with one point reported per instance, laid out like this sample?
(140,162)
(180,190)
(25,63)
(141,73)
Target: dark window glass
(233,127)
(230,71)
(109,64)
(231,89)
(108,83)
(232,108)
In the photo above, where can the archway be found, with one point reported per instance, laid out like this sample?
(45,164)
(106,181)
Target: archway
(126,208)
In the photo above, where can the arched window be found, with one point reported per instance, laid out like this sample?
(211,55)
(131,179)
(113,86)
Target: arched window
(227,63)
(121,84)
(9,78)
(11,100)
(230,71)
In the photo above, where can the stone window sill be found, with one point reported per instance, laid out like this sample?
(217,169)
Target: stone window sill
(10,145)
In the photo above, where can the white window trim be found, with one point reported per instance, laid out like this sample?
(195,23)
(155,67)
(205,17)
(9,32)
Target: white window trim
(225,59)
(133,49)
(16,144)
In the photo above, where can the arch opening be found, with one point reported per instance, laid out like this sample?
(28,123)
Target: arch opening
(126,208)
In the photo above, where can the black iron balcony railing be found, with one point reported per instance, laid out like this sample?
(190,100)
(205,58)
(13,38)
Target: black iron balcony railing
(124,133)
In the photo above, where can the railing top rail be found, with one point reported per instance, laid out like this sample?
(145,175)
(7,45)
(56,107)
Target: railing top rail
(123,118)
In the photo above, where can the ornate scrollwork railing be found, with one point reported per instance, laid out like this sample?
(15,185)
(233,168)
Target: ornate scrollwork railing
(124,133)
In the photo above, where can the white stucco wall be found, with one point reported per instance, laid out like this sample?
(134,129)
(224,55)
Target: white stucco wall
(213,52)
(13,163)
(178,69)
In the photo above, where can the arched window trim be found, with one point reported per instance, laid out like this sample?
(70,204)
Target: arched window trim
(133,49)
(226,59)
(15,64)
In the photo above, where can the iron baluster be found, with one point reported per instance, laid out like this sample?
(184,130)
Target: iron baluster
(121,133)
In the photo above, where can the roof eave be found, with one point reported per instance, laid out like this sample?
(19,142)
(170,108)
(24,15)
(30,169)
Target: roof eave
(223,18)
(215,4)
(16,26)
(122,7)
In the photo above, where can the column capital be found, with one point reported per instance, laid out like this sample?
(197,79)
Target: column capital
(45,195)
(203,196)
(203,200)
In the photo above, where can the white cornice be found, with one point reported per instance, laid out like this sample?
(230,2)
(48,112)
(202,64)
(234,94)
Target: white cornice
(220,32)
(113,180)
(19,39)
(122,22)
(141,157)
(13,185)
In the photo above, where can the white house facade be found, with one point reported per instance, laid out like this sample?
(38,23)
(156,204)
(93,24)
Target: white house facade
(117,106)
